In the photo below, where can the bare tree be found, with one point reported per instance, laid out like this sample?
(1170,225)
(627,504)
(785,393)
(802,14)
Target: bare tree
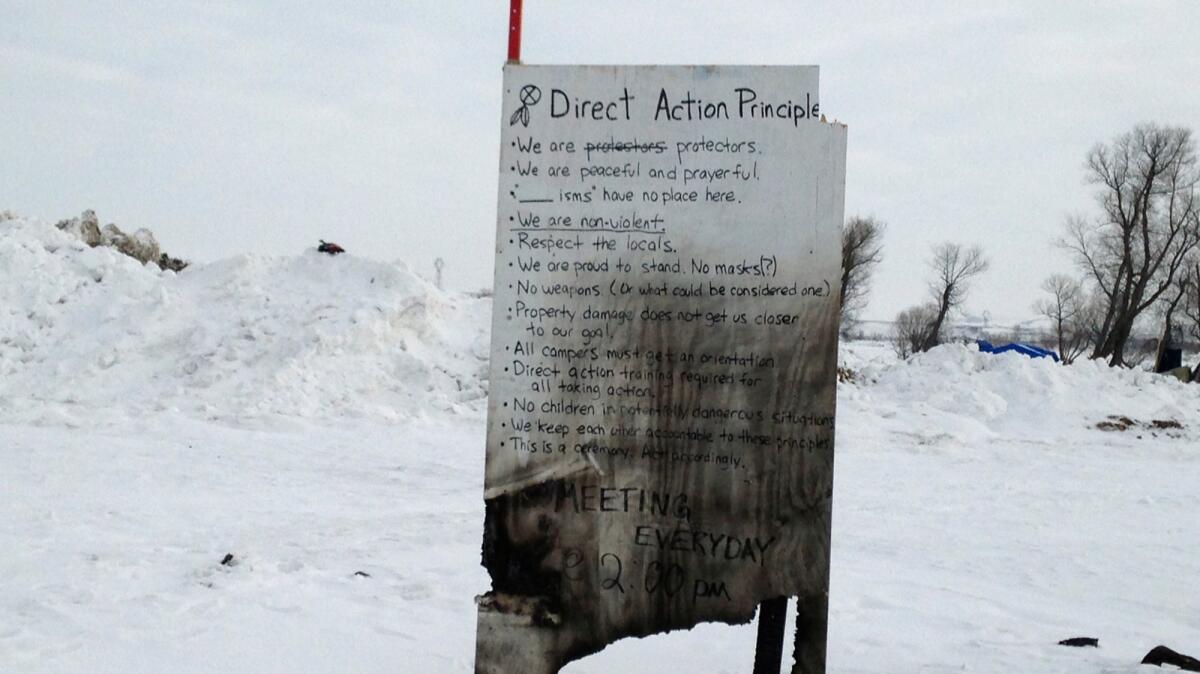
(910,331)
(954,267)
(1148,225)
(1067,308)
(862,251)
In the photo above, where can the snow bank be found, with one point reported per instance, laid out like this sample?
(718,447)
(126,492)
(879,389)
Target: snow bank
(956,391)
(88,334)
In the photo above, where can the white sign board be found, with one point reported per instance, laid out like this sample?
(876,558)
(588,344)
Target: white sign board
(664,353)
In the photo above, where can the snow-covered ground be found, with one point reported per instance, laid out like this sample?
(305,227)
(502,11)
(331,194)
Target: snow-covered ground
(318,417)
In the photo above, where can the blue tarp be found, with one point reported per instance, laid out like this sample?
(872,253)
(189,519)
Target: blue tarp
(1020,347)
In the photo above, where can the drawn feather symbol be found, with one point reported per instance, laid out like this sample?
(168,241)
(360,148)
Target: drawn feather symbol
(530,95)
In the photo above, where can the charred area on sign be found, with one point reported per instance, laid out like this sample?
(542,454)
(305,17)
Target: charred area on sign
(520,532)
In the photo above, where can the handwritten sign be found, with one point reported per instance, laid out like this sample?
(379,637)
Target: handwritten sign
(664,353)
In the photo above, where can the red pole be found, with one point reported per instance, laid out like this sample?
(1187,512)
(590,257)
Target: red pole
(514,31)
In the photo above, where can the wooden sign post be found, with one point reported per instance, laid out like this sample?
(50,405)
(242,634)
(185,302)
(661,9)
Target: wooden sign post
(664,355)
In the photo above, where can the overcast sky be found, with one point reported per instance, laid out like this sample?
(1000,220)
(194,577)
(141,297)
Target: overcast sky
(263,126)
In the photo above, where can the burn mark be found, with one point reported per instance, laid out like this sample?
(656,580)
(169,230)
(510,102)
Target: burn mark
(520,532)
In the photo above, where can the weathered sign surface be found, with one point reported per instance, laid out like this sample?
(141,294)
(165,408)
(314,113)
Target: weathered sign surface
(664,353)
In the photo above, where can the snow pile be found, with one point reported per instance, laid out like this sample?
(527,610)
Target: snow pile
(954,390)
(89,334)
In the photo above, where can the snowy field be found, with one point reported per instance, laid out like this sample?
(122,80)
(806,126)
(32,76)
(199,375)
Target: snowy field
(321,419)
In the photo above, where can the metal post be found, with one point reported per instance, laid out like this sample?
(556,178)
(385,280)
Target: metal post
(812,633)
(768,650)
(514,31)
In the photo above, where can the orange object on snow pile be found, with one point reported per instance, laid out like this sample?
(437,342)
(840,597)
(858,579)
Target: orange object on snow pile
(329,247)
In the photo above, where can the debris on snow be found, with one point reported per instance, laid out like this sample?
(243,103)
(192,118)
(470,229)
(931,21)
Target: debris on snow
(1080,642)
(140,245)
(1161,655)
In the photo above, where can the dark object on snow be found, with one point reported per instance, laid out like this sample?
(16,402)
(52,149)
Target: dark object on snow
(329,247)
(1161,655)
(1170,359)
(171,263)
(364,574)
(227,560)
(1080,642)
(1020,347)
